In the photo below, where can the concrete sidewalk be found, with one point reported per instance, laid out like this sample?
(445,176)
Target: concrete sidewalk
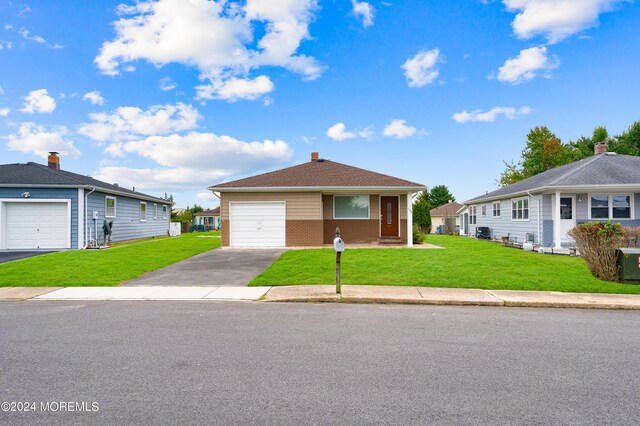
(327,293)
(451,296)
(154,293)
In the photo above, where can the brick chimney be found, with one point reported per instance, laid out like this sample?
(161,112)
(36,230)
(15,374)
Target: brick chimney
(600,148)
(314,156)
(54,160)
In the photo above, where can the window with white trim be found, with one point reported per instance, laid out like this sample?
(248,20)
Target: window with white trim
(615,206)
(155,211)
(496,209)
(164,211)
(143,211)
(109,206)
(520,209)
(351,207)
(472,215)
(484,210)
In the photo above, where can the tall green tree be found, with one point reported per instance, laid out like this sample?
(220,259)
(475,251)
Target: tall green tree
(628,142)
(421,211)
(440,195)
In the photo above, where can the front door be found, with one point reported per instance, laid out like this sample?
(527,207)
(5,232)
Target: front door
(389,220)
(567,218)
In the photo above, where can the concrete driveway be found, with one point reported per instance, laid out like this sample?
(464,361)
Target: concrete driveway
(218,267)
(8,256)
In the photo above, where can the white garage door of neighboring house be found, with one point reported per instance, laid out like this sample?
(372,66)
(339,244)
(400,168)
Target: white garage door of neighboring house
(36,225)
(257,224)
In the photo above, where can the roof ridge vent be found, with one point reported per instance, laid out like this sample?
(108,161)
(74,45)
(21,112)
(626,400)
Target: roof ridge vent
(610,153)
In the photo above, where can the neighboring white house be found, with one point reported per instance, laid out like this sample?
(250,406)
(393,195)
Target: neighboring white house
(544,208)
(443,214)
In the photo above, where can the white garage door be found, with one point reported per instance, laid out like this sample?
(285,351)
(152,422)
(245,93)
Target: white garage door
(257,224)
(36,225)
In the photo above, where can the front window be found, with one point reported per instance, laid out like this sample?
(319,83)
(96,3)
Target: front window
(351,207)
(155,211)
(472,215)
(110,206)
(496,209)
(520,209)
(143,211)
(611,206)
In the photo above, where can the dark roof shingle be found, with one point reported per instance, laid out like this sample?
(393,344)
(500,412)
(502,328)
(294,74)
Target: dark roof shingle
(603,169)
(449,209)
(38,174)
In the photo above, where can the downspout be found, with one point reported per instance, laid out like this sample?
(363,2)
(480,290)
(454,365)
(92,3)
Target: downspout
(86,210)
(538,202)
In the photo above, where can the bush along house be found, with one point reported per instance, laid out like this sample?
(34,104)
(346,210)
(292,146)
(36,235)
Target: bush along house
(44,207)
(544,208)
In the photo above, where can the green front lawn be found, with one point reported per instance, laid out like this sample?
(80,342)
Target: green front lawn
(463,263)
(108,267)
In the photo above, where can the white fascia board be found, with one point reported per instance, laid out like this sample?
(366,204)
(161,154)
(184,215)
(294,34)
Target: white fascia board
(318,189)
(553,189)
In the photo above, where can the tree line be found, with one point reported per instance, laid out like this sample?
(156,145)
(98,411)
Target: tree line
(545,151)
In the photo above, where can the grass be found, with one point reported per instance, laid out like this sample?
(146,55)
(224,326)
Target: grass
(108,267)
(463,263)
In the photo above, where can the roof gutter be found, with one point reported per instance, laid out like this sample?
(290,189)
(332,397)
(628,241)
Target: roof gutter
(89,187)
(86,211)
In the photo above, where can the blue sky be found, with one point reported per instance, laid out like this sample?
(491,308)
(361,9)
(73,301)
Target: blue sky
(175,95)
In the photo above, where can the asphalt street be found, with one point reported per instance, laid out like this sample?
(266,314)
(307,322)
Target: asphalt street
(293,364)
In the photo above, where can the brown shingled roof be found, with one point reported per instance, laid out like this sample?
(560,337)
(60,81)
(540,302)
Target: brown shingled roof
(212,212)
(319,173)
(449,209)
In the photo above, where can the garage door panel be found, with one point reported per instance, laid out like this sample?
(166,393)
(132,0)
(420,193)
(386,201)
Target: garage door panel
(36,225)
(257,224)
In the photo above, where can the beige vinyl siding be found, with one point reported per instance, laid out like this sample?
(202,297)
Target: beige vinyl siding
(300,205)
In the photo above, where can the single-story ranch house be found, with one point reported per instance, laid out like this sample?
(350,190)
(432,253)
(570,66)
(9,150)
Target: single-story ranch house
(210,219)
(302,206)
(445,216)
(544,208)
(43,207)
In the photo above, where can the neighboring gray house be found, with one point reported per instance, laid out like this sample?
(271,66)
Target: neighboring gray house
(43,207)
(544,208)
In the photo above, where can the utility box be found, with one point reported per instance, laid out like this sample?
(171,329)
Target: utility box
(629,265)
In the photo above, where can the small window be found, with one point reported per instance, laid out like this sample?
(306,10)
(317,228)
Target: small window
(351,207)
(520,209)
(484,210)
(472,215)
(599,207)
(621,206)
(155,211)
(143,211)
(164,212)
(110,206)
(496,209)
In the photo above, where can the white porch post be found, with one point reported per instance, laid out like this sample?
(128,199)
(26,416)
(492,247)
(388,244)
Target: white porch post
(556,222)
(410,219)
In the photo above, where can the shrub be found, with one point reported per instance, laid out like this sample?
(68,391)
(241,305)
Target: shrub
(418,236)
(597,243)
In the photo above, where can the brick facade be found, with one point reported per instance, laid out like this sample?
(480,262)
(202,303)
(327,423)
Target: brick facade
(303,233)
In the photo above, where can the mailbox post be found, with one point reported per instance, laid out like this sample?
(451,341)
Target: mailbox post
(338,245)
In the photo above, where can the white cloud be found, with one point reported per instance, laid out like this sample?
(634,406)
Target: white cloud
(24,33)
(528,65)
(215,37)
(35,139)
(477,115)
(556,19)
(166,84)
(365,11)
(422,69)
(399,129)
(129,122)
(206,196)
(1,91)
(234,89)
(195,160)
(38,101)
(94,97)
(4,112)
(338,132)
